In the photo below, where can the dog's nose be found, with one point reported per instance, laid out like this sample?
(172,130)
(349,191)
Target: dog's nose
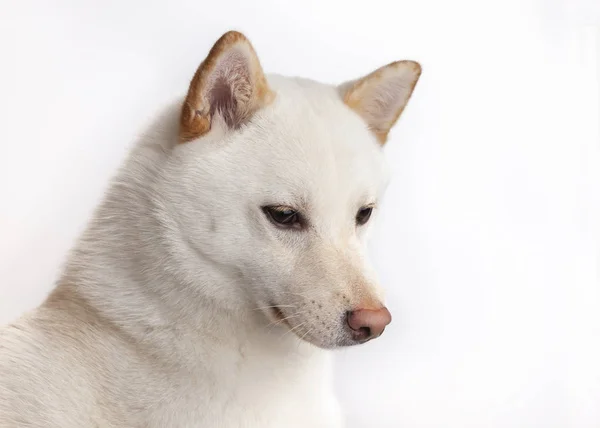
(368,323)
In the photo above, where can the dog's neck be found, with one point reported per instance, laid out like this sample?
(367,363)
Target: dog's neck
(134,269)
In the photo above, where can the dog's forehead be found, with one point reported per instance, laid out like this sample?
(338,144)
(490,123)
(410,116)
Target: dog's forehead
(306,148)
(309,131)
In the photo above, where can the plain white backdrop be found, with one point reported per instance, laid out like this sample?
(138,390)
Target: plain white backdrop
(489,242)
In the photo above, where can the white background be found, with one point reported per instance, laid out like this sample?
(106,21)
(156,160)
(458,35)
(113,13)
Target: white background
(490,238)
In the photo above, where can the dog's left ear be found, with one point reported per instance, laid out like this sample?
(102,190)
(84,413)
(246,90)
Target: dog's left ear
(380,97)
(227,89)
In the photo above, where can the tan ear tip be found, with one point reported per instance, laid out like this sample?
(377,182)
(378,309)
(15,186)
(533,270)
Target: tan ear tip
(413,66)
(416,66)
(232,36)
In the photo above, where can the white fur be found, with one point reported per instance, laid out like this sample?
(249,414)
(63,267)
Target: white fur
(161,317)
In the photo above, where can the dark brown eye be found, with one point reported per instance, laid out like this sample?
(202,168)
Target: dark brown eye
(283,216)
(363,215)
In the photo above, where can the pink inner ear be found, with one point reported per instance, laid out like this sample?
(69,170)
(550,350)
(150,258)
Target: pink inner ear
(222,102)
(229,88)
(384,102)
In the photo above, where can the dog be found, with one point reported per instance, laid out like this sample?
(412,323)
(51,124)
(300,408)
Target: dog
(224,263)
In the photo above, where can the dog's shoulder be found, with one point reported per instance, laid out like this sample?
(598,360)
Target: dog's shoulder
(43,377)
(28,365)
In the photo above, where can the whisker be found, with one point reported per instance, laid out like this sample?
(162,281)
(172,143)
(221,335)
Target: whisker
(302,338)
(295,315)
(292,329)
(304,335)
(274,306)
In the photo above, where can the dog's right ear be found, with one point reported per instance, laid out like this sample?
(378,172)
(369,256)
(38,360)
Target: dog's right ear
(229,85)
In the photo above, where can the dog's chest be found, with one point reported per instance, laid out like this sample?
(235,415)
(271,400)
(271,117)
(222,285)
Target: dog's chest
(252,391)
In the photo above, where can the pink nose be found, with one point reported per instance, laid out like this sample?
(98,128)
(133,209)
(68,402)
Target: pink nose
(368,323)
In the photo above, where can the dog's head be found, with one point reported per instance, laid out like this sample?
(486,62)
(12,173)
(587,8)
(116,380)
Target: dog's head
(281,179)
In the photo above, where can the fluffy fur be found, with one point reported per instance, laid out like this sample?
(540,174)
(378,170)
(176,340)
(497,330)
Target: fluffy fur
(183,305)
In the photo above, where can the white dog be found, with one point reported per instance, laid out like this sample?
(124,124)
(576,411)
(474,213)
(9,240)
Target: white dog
(225,260)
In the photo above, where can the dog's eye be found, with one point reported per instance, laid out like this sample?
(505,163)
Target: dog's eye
(363,215)
(283,216)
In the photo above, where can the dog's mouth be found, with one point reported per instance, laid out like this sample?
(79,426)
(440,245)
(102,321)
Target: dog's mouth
(279,316)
